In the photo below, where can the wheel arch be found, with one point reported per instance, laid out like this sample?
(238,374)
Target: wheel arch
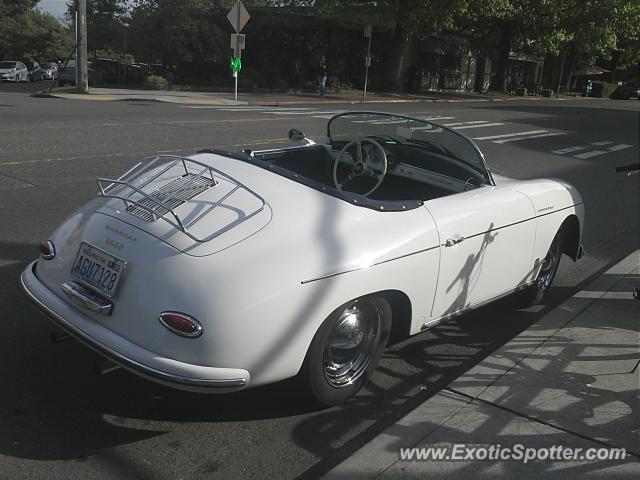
(570,229)
(401,313)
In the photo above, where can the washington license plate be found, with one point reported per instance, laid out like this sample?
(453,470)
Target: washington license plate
(98,269)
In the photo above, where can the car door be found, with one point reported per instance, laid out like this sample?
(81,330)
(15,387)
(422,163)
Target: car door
(487,237)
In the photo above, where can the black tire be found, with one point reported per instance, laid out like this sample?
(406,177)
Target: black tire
(534,294)
(324,385)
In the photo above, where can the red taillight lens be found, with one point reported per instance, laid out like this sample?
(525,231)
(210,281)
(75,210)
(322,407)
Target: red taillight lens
(181,324)
(47,249)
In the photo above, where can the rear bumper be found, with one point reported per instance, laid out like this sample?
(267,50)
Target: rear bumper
(142,362)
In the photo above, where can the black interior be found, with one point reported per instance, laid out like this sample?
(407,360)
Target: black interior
(316,163)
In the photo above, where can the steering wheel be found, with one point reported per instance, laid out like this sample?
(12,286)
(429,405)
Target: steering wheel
(361,164)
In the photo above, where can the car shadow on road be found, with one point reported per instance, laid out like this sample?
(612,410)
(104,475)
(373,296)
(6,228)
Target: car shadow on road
(55,408)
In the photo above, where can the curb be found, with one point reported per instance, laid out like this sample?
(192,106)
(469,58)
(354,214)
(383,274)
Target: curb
(447,406)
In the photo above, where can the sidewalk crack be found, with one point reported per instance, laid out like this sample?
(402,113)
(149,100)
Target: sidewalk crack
(539,421)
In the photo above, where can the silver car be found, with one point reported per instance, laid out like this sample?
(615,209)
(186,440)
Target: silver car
(49,70)
(13,71)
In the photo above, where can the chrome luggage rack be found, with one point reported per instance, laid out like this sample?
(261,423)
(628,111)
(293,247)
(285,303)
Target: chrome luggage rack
(161,202)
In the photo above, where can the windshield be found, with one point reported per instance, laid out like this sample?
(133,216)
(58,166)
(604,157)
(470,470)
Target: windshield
(417,133)
(29,65)
(6,65)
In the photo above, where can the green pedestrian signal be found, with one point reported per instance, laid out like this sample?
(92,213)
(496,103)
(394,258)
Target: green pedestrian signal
(236,64)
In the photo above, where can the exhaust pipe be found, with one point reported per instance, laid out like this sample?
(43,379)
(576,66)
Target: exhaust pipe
(105,366)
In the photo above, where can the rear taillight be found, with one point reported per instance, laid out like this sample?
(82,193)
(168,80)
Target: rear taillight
(181,324)
(47,250)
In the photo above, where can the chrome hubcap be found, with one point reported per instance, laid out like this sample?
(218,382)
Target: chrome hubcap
(352,342)
(549,265)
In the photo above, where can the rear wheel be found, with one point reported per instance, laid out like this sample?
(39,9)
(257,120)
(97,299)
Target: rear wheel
(346,349)
(534,294)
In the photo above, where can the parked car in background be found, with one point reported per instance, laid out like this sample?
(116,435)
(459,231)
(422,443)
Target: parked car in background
(627,90)
(107,70)
(67,74)
(35,72)
(50,70)
(13,71)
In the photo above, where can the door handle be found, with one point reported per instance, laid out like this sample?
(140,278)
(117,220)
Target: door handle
(450,242)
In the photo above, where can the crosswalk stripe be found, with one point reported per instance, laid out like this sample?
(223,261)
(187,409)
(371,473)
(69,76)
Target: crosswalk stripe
(465,123)
(466,127)
(506,135)
(432,119)
(622,146)
(295,113)
(517,139)
(604,142)
(592,153)
(577,148)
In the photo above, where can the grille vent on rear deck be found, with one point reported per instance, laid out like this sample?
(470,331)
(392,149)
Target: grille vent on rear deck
(173,194)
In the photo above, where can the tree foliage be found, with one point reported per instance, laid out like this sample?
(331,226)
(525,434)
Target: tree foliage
(27,33)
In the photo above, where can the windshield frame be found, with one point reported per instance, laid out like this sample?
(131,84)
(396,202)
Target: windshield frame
(487,171)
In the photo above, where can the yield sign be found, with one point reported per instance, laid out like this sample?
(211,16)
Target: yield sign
(238,16)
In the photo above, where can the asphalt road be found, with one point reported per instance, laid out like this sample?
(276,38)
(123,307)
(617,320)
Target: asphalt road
(59,420)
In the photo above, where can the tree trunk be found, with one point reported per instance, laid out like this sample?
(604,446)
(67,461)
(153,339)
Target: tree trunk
(615,60)
(502,58)
(397,56)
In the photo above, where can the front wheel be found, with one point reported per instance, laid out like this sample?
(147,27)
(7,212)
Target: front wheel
(533,295)
(346,349)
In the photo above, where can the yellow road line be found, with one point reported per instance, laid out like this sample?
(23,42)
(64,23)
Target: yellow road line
(146,153)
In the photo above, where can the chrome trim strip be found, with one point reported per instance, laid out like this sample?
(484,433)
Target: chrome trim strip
(432,323)
(516,223)
(329,275)
(125,361)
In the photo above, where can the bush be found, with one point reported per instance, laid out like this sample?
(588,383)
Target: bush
(156,80)
(521,91)
(547,92)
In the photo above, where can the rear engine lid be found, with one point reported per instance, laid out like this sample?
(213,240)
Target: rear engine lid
(189,204)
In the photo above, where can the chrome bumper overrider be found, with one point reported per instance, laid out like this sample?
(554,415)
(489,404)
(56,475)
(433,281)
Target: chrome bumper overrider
(138,360)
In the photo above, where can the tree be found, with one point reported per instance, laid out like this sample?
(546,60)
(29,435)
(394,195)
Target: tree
(106,24)
(28,33)
(405,20)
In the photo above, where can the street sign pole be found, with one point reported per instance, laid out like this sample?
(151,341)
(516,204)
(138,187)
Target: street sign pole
(238,18)
(237,52)
(367,61)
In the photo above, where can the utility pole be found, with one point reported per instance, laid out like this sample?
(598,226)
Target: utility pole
(82,85)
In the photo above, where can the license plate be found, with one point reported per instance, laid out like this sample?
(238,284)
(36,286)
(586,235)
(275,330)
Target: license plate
(98,269)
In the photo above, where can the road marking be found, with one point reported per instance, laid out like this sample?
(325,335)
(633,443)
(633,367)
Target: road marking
(506,135)
(577,148)
(465,127)
(550,134)
(465,123)
(145,153)
(299,113)
(604,142)
(431,119)
(592,153)
(622,146)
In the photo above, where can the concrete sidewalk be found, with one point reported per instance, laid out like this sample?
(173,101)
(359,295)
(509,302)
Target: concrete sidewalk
(571,379)
(352,97)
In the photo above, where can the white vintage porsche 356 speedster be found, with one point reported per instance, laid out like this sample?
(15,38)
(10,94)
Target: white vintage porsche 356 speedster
(226,270)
